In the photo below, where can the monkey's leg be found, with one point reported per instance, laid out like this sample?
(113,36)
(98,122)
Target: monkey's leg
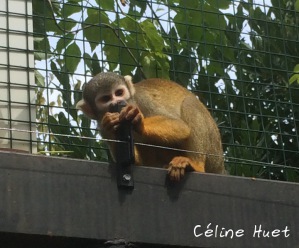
(179,165)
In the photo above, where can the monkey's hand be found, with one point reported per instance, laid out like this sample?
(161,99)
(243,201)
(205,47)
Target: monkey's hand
(133,114)
(110,122)
(179,165)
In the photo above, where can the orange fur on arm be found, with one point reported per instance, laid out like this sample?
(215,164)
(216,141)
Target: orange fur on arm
(159,129)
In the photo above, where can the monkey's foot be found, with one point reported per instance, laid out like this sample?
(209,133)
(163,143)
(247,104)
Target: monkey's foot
(178,166)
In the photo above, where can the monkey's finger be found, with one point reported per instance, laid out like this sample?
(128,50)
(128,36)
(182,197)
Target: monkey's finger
(129,112)
(110,120)
(132,114)
(123,112)
(137,119)
(182,172)
(111,115)
(174,173)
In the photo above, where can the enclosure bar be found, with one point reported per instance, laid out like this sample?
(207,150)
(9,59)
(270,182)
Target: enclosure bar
(76,198)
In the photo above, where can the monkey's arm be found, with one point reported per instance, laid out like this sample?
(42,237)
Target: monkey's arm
(163,130)
(159,130)
(108,126)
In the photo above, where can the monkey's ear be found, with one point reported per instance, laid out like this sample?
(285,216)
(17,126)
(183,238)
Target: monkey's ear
(128,80)
(86,109)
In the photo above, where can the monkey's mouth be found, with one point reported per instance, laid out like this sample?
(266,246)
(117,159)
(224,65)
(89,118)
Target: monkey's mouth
(116,107)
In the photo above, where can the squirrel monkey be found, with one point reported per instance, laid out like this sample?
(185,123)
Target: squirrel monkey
(162,114)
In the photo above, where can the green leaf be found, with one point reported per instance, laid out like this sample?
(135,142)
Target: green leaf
(294,78)
(106,4)
(228,53)
(128,23)
(72,57)
(62,77)
(215,68)
(51,25)
(148,65)
(195,31)
(188,23)
(64,80)
(85,125)
(133,11)
(64,42)
(153,36)
(77,93)
(93,31)
(180,23)
(240,17)
(155,65)
(56,7)
(183,67)
(59,101)
(62,126)
(96,66)
(87,60)
(39,56)
(67,24)
(171,2)
(39,78)
(297,5)
(163,65)
(113,56)
(42,48)
(195,35)
(214,18)
(126,62)
(220,4)
(296,68)
(41,8)
(70,8)
(190,4)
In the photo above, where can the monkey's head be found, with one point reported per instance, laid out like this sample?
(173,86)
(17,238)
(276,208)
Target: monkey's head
(104,90)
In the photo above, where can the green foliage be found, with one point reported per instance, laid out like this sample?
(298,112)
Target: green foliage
(243,62)
(295,77)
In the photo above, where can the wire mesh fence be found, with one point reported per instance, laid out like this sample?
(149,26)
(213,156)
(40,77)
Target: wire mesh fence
(241,58)
(17,106)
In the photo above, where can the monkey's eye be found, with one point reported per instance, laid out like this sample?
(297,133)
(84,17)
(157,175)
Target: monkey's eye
(119,92)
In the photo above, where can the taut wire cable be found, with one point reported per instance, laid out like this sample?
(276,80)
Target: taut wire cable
(226,158)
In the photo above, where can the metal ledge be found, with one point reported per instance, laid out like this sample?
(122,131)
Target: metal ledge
(75,198)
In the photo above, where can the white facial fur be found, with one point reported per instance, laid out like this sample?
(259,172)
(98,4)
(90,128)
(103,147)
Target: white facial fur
(104,99)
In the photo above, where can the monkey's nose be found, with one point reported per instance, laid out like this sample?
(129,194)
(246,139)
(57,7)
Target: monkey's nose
(117,106)
(118,102)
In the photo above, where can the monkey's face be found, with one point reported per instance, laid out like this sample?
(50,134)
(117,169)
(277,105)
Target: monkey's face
(102,91)
(105,99)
